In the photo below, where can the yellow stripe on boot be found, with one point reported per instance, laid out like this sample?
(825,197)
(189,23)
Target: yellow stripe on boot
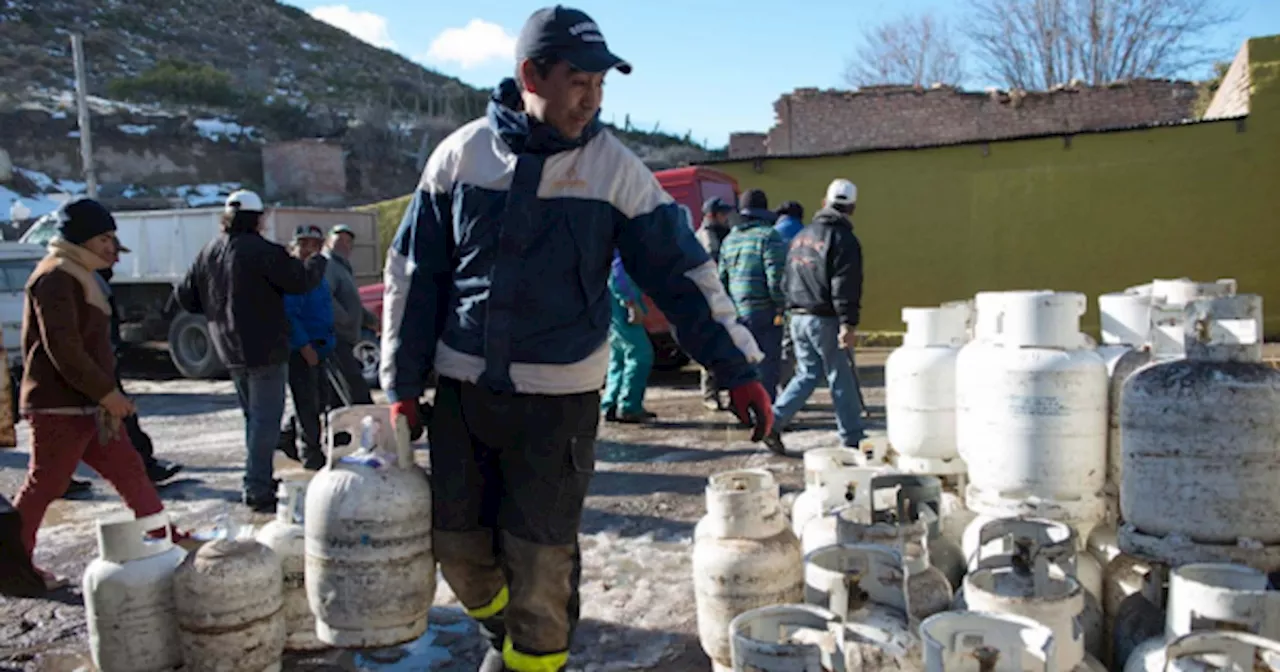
(524,662)
(495,606)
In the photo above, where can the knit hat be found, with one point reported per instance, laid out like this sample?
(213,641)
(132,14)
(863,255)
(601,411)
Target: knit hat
(753,199)
(83,219)
(791,209)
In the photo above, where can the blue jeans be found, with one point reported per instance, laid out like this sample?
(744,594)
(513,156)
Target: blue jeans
(261,393)
(817,344)
(769,337)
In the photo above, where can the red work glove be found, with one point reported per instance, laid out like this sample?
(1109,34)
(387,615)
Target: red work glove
(409,411)
(752,406)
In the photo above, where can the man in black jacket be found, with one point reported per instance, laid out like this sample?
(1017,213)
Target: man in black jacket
(824,295)
(238,282)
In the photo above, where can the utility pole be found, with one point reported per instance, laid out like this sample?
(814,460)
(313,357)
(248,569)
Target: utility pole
(82,102)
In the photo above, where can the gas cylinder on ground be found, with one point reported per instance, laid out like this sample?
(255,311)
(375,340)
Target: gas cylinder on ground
(865,584)
(1208,428)
(1211,597)
(1032,424)
(370,574)
(836,506)
(1087,569)
(230,600)
(1222,650)
(967,641)
(1028,567)
(830,480)
(128,596)
(802,637)
(919,499)
(920,390)
(285,535)
(745,556)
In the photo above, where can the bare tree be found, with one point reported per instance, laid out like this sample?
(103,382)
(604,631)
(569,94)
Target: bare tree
(919,50)
(1038,44)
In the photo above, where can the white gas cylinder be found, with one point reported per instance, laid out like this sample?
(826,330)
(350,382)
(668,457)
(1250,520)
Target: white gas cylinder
(919,499)
(128,596)
(745,556)
(1086,568)
(1017,551)
(1206,427)
(1035,433)
(837,510)
(285,535)
(866,584)
(967,641)
(833,477)
(230,599)
(370,574)
(1211,597)
(802,637)
(1222,650)
(920,390)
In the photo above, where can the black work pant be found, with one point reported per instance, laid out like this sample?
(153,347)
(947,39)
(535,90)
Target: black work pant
(309,390)
(509,475)
(141,442)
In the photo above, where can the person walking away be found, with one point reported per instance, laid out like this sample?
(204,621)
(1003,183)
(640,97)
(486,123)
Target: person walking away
(630,352)
(350,316)
(715,226)
(790,223)
(824,296)
(238,282)
(158,470)
(497,281)
(752,264)
(311,342)
(70,394)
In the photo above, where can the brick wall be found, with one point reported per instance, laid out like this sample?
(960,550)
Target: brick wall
(747,144)
(810,121)
(305,172)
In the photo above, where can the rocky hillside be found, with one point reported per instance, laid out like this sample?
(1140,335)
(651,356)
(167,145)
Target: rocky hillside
(186,94)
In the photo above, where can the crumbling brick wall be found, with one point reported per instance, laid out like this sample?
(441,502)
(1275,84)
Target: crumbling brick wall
(305,172)
(810,121)
(747,144)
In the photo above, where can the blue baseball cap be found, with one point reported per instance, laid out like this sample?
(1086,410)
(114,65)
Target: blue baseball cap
(568,34)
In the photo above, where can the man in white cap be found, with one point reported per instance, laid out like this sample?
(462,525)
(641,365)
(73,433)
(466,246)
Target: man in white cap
(824,296)
(238,282)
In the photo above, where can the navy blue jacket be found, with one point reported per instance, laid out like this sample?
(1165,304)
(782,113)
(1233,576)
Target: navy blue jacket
(499,271)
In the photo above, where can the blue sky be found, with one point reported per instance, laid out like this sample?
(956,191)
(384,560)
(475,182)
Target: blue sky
(706,66)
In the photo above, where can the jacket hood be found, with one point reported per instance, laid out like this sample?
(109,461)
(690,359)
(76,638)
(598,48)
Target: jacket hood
(524,134)
(753,217)
(831,216)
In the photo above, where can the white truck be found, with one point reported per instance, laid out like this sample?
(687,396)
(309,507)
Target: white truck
(163,245)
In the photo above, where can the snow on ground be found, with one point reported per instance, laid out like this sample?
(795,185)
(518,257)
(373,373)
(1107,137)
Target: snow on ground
(135,129)
(218,129)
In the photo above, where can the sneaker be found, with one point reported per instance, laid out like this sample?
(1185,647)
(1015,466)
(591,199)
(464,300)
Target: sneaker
(76,488)
(288,443)
(611,414)
(632,418)
(712,404)
(52,581)
(774,443)
(265,504)
(314,461)
(160,471)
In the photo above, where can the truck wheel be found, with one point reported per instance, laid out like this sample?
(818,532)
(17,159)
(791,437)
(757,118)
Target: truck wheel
(191,347)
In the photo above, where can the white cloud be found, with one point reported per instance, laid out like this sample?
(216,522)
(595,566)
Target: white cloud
(370,27)
(477,43)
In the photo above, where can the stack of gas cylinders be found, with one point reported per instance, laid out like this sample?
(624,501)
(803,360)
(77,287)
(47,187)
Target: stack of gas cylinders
(1048,502)
(346,563)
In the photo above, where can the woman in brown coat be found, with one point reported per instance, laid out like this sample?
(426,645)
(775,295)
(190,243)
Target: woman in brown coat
(69,394)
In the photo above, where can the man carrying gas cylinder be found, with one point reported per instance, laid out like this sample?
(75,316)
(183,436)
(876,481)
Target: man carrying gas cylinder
(498,282)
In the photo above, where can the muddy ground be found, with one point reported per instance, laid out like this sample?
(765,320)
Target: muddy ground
(646,496)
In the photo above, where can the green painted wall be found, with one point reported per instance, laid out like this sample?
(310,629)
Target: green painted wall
(1108,211)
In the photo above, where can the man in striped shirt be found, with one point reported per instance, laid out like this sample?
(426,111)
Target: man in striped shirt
(753,262)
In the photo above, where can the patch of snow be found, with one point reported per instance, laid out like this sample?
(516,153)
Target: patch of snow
(217,129)
(37,205)
(310,47)
(58,115)
(73,134)
(207,194)
(43,182)
(134,129)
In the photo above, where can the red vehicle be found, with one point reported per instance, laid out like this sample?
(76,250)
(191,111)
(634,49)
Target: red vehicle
(690,187)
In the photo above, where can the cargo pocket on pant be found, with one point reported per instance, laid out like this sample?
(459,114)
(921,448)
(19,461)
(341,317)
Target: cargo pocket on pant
(581,464)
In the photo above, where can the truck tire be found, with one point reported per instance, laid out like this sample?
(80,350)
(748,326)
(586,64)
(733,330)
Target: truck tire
(191,347)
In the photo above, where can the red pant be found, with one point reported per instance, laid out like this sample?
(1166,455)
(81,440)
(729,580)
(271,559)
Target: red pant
(58,444)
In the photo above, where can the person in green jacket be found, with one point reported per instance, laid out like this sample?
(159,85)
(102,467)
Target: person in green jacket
(753,262)
(630,352)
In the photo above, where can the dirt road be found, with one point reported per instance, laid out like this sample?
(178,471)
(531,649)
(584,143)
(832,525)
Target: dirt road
(646,496)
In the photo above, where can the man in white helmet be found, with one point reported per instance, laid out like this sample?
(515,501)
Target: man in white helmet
(238,282)
(824,296)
